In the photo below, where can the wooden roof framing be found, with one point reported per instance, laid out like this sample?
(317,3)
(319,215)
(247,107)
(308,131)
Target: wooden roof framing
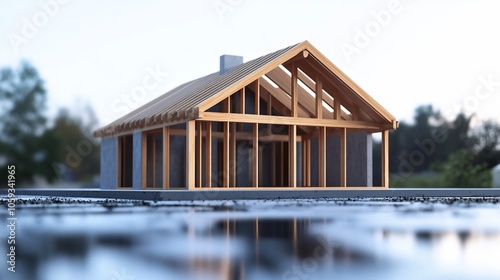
(191,100)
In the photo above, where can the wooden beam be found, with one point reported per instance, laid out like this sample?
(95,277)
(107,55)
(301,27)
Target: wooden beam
(337,111)
(208,155)
(144,160)
(343,158)
(385,158)
(199,154)
(257,96)
(255,155)
(225,157)
(294,92)
(322,157)
(119,161)
(242,100)
(292,144)
(308,162)
(282,163)
(232,154)
(281,120)
(273,164)
(190,154)
(319,99)
(269,107)
(166,158)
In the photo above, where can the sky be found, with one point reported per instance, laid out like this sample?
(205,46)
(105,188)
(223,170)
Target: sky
(117,55)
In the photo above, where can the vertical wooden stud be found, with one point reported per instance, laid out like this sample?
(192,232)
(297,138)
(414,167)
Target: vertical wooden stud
(232,153)
(322,156)
(166,157)
(385,158)
(208,155)
(294,93)
(242,100)
(199,154)
(190,154)
(226,159)
(336,109)
(257,97)
(255,151)
(144,160)
(293,156)
(343,157)
(319,99)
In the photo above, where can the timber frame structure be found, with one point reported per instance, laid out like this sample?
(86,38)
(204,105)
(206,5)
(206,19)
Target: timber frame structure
(235,129)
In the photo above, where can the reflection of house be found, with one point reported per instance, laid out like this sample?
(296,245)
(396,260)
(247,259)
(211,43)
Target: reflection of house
(233,128)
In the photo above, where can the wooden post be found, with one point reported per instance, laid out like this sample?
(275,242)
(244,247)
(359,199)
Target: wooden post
(385,158)
(166,157)
(232,153)
(308,162)
(226,159)
(292,145)
(304,166)
(294,93)
(199,155)
(255,151)
(144,160)
(242,100)
(208,155)
(190,154)
(273,164)
(269,111)
(322,156)
(120,163)
(257,97)
(343,157)
(319,99)
(336,109)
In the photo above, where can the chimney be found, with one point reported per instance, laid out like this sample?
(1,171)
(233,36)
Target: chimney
(228,62)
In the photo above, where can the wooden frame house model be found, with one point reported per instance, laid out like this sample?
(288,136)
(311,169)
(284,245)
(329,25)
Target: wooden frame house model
(289,119)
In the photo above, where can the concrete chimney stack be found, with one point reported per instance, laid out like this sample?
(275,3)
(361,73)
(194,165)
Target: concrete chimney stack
(228,62)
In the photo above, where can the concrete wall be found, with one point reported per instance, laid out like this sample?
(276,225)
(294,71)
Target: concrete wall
(137,160)
(109,163)
(359,160)
(495,174)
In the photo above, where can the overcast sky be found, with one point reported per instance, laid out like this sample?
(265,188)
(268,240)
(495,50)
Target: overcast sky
(117,55)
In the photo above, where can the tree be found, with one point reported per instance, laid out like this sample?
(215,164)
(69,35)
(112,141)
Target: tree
(486,140)
(24,140)
(78,150)
(462,171)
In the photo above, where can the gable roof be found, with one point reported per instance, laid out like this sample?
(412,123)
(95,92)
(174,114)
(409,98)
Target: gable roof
(186,101)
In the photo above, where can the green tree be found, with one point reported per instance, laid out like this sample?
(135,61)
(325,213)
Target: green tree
(462,171)
(24,140)
(78,150)
(486,138)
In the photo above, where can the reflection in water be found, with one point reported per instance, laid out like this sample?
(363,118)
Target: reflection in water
(356,244)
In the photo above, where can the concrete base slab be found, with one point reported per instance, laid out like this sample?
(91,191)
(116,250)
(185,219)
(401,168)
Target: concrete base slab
(232,194)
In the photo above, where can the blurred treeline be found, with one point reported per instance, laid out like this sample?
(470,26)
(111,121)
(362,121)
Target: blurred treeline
(59,151)
(436,152)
